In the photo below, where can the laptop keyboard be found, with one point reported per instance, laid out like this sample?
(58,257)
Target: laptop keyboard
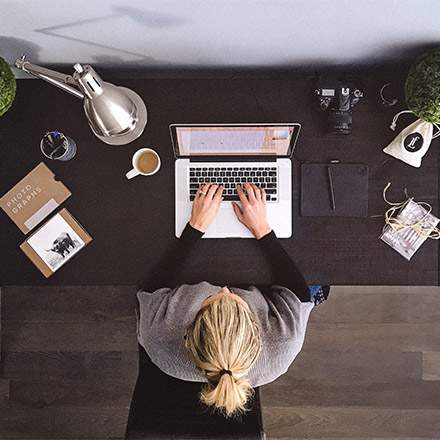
(230,177)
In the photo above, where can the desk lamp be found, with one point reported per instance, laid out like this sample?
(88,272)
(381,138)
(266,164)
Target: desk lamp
(116,115)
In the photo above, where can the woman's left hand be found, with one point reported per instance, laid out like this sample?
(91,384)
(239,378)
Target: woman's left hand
(205,206)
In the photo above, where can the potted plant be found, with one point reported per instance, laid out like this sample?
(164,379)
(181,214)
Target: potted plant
(422,87)
(422,94)
(7,86)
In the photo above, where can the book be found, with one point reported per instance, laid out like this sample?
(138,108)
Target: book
(55,243)
(33,198)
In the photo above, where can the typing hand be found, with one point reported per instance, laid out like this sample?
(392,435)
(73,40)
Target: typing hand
(253,213)
(205,206)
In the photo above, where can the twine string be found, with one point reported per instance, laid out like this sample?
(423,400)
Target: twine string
(399,223)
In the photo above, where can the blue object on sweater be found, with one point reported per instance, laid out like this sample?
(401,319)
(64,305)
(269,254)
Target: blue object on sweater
(318,294)
(314,290)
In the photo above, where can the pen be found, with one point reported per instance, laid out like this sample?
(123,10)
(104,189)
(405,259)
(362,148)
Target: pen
(330,184)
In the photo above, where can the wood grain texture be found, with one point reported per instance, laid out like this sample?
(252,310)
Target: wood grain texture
(70,365)
(363,372)
(4,394)
(86,423)
(68,304)
(431,366)
(310,422)
(112,335)
(367,369)
(365,366)
(381,337)
(398,394)
(24,423)
(380,304)
(71,393)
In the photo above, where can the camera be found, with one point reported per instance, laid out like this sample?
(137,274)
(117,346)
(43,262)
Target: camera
(338,97)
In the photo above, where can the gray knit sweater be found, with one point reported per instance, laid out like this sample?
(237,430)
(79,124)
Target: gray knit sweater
(166,313)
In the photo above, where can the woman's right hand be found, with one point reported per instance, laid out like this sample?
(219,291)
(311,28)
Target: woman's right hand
(253,212)
(205,206)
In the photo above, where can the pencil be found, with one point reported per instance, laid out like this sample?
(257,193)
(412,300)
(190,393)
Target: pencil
(330,184)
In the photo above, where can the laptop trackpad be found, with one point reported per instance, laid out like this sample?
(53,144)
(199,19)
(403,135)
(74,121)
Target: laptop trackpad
(227,223)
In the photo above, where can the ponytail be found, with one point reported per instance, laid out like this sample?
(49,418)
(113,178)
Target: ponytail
(229,395)
(224,342)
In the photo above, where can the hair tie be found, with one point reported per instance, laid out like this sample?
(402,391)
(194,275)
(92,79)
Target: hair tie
(225,372)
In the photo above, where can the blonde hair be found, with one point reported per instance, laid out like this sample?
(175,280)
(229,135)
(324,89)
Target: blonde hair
(224,336)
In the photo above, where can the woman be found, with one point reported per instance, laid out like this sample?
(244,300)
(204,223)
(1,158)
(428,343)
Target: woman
(231,338)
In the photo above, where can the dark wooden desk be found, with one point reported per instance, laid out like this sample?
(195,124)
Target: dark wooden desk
(132,222)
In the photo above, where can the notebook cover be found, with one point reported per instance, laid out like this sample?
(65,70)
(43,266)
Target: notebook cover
(34,198)
(350,188)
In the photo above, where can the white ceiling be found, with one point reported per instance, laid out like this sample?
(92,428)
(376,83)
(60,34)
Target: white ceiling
(216,33)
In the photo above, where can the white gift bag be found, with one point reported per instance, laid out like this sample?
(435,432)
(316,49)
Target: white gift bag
(413,142)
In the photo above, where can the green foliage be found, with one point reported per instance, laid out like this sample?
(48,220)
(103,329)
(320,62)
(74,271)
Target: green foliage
(422,86)
(7,86)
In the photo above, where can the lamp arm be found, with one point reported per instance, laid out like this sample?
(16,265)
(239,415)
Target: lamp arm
(51,76)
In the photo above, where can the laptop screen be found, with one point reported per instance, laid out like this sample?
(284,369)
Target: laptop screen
(276,140)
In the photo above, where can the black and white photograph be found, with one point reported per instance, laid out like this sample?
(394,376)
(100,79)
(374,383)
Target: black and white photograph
(56,242)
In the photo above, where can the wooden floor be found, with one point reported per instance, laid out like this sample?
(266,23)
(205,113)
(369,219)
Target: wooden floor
(370,367)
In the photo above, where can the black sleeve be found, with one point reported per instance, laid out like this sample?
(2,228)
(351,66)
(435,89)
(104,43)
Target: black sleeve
(165,272)
(284,270)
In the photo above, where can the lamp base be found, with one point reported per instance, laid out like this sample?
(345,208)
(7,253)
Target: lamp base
(126,138)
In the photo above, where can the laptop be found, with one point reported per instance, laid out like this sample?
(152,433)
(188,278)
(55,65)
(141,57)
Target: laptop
(230,155)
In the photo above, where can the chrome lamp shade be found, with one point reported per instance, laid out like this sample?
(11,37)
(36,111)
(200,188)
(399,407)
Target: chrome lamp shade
(116,115)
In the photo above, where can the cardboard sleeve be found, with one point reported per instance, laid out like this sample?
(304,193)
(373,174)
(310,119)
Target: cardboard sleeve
(33,198)
(37,260)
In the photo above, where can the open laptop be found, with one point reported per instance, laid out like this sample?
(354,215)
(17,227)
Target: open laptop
(230,155)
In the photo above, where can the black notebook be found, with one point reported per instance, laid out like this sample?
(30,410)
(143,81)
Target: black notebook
(334,190)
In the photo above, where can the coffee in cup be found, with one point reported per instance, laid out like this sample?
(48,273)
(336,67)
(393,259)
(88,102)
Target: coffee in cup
(146,162)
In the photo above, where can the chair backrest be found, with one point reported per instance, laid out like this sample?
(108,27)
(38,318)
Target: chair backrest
(164,407)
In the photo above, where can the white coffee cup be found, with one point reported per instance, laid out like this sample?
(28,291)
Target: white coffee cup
(146,162)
